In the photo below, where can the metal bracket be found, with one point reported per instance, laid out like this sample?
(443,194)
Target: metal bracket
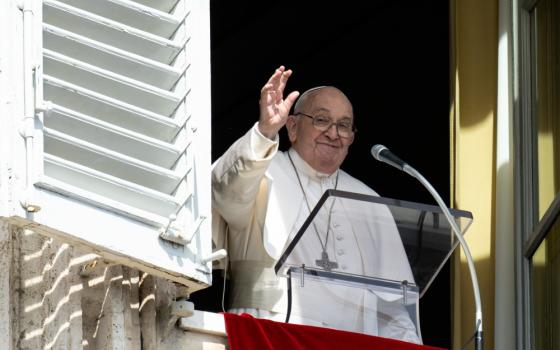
(169,234)
(405,292)
(27,204)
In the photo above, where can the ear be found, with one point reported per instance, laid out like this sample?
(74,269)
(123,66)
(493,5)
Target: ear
(291,126)
(352,139)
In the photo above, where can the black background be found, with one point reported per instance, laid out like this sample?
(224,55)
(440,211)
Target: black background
(391,58)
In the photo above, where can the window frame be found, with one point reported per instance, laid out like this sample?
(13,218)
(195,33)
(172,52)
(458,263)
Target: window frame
(530,231)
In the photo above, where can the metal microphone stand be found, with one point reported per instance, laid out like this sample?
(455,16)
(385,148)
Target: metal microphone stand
(478,340)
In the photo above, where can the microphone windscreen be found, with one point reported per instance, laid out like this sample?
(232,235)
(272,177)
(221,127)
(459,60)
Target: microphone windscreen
(376,151)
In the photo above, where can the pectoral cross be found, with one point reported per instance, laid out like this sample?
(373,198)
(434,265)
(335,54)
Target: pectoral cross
(325,263)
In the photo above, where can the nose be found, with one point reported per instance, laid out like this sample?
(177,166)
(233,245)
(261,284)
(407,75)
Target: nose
(332,131)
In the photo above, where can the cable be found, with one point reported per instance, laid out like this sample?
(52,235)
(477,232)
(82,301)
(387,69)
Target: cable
(225,271)
(289,281)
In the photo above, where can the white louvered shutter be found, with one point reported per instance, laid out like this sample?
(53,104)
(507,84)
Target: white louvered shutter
(124,149)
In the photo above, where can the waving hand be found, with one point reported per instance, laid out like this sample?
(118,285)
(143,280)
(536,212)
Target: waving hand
(274,108)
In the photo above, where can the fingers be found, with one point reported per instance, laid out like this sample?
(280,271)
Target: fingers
(283,80)
(273,90)
(291,99)
(274,109)
(274,80)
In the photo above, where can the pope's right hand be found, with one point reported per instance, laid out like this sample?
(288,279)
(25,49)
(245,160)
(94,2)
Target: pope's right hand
(274,108)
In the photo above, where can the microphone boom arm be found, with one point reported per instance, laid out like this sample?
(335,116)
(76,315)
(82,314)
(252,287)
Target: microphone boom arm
(478,337)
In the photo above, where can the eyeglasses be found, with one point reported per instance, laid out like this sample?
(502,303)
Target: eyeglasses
(344,128)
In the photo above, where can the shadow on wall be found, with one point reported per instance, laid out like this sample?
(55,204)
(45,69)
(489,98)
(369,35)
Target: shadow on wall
(68,298)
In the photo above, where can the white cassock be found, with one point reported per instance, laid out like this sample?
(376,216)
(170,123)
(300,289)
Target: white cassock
(259,206)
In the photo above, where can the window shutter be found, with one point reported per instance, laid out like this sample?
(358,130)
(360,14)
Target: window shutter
(123,141)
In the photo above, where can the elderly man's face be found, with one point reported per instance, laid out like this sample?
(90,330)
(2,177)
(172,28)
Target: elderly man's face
(323,150)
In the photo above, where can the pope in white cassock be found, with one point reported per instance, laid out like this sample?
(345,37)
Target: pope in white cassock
(261,197)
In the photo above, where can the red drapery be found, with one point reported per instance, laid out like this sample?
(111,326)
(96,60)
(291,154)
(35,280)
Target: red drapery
(248,333)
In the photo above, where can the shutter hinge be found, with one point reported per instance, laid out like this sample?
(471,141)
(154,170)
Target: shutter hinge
(169,234)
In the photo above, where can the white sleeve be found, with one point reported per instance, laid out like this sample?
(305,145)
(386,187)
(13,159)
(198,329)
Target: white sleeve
(237,176)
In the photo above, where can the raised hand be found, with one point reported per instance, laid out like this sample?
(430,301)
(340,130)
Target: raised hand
(274,108)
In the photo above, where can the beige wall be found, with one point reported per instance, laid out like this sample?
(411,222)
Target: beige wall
(474,43)
(54,296)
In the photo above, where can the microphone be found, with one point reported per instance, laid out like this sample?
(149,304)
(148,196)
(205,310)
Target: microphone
(382,154)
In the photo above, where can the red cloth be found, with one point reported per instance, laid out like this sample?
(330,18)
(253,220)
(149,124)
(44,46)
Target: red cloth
(248,333)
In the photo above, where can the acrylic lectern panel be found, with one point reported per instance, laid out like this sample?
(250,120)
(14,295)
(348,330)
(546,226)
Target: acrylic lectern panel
(347,233)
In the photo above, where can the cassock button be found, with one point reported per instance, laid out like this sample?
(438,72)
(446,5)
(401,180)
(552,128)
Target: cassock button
(344,267)
(336,225)
(339,237)
(340,252)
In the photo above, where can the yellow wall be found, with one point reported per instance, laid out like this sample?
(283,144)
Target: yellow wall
(474,45)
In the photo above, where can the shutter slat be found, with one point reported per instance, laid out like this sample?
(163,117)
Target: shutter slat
(110,110)
(112,137)
(111,58)
(116,206)
(161,5)
(133,14)
(111,32)
(110,187)
(110,162)
(107,83)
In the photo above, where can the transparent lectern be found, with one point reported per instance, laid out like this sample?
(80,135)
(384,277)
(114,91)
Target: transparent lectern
(366,257)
